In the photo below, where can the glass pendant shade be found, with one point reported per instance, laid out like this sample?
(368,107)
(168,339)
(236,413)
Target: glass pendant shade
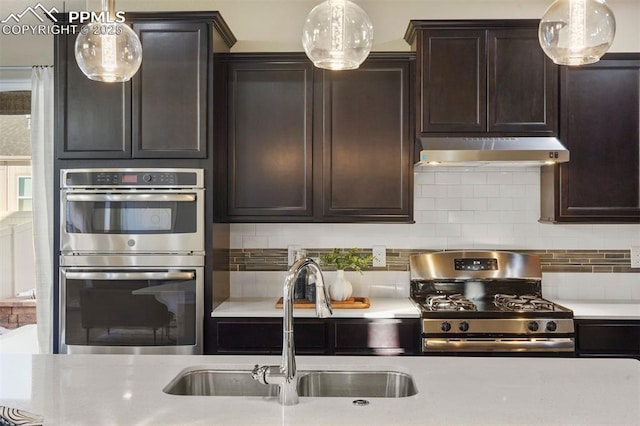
(577,32)
(110,52)
(337,35)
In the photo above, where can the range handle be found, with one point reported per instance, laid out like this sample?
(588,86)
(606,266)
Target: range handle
(108,275)
(139,196)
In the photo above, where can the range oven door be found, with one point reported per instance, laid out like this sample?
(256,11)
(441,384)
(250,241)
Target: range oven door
(131,310)
(122,221)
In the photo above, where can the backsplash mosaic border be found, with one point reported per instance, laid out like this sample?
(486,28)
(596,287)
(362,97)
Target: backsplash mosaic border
(585,261)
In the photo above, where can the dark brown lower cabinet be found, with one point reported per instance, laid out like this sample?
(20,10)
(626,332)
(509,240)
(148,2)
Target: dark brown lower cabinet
(608,338)
(264,336)
(376,337)
(315,336)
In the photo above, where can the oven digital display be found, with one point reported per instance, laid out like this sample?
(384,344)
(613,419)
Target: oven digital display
(484,264)
(129,179)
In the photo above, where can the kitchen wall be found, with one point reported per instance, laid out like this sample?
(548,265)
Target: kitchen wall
(454,208)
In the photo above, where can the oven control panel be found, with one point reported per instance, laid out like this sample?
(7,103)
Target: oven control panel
(131,178)
(481,264)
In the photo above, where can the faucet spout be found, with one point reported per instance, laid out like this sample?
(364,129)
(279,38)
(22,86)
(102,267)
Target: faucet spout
(286,376)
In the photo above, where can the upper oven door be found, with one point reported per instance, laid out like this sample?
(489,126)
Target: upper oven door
(127,221)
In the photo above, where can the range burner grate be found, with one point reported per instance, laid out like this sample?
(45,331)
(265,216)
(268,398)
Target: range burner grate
(511,302)
(450,302)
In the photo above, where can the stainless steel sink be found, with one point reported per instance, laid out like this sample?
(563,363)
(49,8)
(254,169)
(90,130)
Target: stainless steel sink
(207,382)
(353,384)
(361,384)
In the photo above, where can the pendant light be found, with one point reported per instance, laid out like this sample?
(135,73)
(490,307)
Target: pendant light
(108,51)
(337,35)
(577,32)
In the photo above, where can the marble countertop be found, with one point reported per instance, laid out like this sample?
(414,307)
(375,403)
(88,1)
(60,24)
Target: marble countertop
(266,307)
(603,309)
(127,390)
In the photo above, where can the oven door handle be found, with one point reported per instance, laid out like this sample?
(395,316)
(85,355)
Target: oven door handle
(171,275)
(145,196)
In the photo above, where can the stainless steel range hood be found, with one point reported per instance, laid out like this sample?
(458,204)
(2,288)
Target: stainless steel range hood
(487,151)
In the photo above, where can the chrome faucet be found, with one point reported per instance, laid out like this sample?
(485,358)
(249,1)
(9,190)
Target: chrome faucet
(285,374)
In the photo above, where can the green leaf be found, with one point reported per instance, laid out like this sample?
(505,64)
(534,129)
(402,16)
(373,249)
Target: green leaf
(349,259)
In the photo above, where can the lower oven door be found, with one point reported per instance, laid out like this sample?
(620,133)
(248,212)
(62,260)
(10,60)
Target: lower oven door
(490,344)
(131,310)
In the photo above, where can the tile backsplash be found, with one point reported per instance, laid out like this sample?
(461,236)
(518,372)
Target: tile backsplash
(466,208)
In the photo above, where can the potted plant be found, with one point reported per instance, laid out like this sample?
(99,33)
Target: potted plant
(341,288)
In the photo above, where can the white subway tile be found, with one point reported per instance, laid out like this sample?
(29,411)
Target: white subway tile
(527,177)
(486,216)
(433,216)
(474,178)
(424,178)
(473,204)
(447,204)
(254,242)
(488,191)
(513,191)
(422,204)
(500,204)
(591,292)
(243,228)
(498,177)
(615,289)
(459,243)
(235,241)
(459,191)
(461,216)
(446,178)
(434,191)
(474,230)
(447,230)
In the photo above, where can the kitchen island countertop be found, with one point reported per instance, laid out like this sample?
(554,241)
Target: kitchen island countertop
(266,307)
(127,390)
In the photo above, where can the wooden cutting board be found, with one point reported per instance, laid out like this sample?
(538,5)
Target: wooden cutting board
(350,303)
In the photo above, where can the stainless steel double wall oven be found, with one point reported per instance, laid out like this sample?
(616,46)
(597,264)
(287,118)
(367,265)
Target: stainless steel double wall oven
(131,261)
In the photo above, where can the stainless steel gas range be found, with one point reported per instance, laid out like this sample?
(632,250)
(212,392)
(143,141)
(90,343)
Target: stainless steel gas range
(487,302)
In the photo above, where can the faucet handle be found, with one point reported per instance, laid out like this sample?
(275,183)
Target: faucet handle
(259,373)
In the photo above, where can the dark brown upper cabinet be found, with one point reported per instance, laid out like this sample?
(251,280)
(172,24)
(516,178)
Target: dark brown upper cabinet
(270,137)
(366,142)
(308,145)
(482,78)
(165,111)
(600,118)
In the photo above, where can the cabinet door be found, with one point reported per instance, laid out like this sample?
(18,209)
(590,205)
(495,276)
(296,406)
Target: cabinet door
(600,117)
(366,168)
(270,140)
(452,78)
(522,83)
(92,118)
(377,337)
(170,91)
(264,336)
(608,338)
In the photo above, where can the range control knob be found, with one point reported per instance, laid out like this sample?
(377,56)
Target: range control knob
(445,326)
(533,326)
(464,326)
(552,326)
(146,178)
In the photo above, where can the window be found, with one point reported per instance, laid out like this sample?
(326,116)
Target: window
(24,193)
